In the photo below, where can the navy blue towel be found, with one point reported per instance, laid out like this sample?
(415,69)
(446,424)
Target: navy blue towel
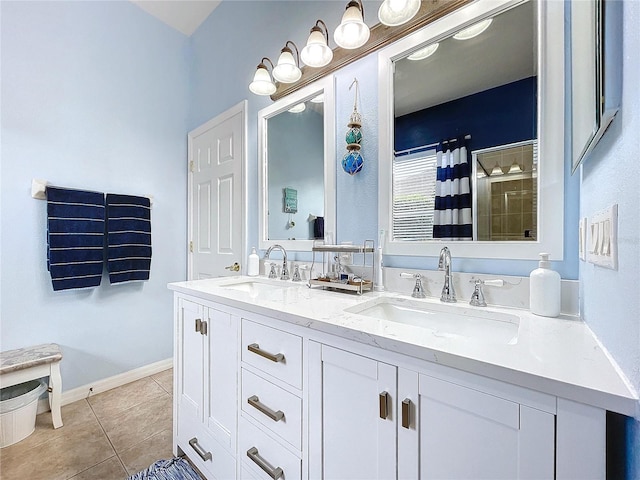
(75,238)
(128,238)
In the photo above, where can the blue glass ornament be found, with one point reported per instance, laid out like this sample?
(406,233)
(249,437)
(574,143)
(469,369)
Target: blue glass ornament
(352,162)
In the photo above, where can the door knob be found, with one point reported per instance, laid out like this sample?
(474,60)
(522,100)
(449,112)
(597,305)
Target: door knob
(234,268)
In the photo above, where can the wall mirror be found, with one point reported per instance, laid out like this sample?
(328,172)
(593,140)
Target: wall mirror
(590,113)
(478,91)
(296,150)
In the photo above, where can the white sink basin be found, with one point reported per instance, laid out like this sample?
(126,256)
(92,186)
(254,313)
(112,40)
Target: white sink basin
(444,320)
(255,287)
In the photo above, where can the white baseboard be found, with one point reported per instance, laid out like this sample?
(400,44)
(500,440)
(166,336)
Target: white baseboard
(99,386)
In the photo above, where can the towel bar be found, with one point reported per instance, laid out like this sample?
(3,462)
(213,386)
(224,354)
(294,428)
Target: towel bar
(39,189)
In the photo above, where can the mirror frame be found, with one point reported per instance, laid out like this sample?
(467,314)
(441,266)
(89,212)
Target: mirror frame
(587,61)
(550,31)
(326,86)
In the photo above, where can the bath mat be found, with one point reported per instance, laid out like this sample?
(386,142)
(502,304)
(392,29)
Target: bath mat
(173,469)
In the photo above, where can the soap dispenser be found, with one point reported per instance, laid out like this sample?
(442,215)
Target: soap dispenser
(253,263)
(544,289)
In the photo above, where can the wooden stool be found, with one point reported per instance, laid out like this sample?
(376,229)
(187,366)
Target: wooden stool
(30,363)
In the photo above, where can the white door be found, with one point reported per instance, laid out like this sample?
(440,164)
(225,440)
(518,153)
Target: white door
(358,430)
(216,195)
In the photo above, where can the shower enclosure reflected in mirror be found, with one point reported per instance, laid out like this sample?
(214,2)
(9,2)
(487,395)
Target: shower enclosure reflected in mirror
(481,79)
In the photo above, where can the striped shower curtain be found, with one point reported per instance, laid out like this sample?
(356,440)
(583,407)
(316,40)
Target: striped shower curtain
(452,212)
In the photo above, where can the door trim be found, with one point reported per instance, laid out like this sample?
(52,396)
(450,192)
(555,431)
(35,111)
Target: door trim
(238,108)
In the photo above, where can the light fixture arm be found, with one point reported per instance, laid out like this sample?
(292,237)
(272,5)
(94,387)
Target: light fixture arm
(317,28)
(262,65)
(287,49)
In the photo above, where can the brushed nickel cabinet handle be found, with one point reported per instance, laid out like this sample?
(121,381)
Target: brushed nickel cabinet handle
(204,328)
(384,400)
(274,473)
(406,413)
(254,401)
(198,325)
(255,348)
(199,450)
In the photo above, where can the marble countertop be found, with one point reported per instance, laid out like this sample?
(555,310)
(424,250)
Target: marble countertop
(559,356)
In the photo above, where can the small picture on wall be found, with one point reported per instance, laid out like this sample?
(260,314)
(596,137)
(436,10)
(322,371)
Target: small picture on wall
(290,200)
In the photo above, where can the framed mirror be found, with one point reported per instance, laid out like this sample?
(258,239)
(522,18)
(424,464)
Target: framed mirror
(590,115)
(467,89)
(296,148)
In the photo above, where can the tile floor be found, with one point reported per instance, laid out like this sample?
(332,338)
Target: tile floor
(107,436)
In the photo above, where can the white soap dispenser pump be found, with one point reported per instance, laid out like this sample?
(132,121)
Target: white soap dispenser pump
(253,263)
(544,289)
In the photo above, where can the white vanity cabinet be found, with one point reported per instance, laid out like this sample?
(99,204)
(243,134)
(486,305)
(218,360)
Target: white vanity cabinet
(462,431)
(205,392)
(352,418)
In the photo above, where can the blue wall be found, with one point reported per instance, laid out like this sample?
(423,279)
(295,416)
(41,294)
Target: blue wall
(94,96)
(609,299)
(497,116)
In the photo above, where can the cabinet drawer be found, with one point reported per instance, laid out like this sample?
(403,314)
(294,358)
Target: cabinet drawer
(258,393)
(257,447)
(273,351)
(217,463)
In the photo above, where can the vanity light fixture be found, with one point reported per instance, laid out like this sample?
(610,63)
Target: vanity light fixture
(262,83)
(396,12)
(352,31)
(474,30)
(297,108)
(317,52)
(424,52)
(287,69)
(318,99)
(515,168)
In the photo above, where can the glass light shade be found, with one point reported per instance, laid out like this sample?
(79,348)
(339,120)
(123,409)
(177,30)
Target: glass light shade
(352,31)
(473,30)
(286,71)
(318,99)
(424,52)
(262,84)
(397,12)
(316,53)
(515,168)
(497,170)
(298,108)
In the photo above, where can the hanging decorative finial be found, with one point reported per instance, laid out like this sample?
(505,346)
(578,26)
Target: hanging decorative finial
(353,162)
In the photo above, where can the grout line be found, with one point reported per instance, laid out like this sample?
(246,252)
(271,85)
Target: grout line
(108,439)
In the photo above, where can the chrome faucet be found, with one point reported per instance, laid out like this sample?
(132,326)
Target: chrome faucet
(444,263)
(285,272)
(418,289)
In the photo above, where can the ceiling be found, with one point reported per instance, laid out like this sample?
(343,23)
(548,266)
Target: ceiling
(502,54)
(183,15)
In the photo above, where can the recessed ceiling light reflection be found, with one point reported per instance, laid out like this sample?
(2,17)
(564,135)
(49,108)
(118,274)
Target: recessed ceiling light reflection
(473,30)
(298,108)
(424,52)
(318,99)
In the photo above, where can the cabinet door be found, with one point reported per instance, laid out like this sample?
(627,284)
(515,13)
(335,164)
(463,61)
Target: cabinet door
(190,358)
(358,432)
(222,352)
(465,433)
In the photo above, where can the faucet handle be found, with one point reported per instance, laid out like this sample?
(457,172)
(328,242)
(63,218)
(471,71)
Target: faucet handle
(418,289)
(296,273)
(272,270)
(477,297)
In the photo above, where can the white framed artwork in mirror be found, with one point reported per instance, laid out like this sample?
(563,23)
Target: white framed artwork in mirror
(460,71)
(296,151)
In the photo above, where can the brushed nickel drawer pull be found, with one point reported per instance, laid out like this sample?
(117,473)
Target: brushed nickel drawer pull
(198,325)
(199,450)
(384,400)
(254,401)
(274,473)
(255,348)
(204,328)
(406,413)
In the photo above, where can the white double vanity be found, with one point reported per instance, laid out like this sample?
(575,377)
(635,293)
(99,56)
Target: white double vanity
(277,380)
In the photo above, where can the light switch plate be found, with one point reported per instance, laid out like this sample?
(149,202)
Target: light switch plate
(582,239)
(602,238)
